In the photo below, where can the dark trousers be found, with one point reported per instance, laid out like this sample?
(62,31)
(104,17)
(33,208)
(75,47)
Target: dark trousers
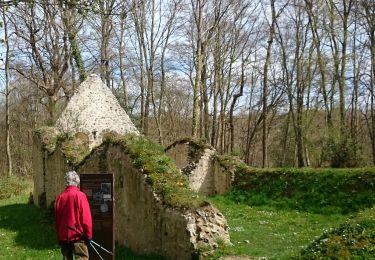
(78,248)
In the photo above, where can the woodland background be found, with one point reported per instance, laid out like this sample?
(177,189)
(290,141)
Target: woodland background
(286,83)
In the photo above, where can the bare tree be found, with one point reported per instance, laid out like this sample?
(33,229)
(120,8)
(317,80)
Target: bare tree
(368,15)
(72,22)
(340,52)
(106,8)
(296,76)
(43,43)
(204,29)
(271,36)
(7,92)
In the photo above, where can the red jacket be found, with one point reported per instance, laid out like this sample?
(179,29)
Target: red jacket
(72,210)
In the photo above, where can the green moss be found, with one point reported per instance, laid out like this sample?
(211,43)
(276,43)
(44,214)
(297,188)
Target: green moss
(103,163)
(196,144)
(48,137)
(229,162)
(195,148)
(76,148)
(162,173)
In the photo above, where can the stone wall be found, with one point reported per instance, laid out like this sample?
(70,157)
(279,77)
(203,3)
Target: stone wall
(39,154)
(222,178)
(205,174)
(142,221)
(180,154)
(56,167)
(49,169)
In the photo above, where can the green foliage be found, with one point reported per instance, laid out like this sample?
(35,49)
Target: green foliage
(324,191)
(162,174)
(302,201)
(342,153)
(354,239)
(13,186)
(236,152)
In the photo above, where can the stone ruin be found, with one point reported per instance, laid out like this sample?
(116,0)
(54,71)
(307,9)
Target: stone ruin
(198,162)
(143,221)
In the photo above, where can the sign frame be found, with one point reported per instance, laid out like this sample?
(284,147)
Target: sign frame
(99,189)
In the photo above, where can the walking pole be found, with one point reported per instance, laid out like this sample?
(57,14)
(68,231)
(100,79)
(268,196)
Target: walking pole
(96,251)
(92,242)
(105,250)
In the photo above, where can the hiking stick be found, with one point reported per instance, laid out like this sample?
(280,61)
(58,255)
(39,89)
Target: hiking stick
(96,251)
(92,242)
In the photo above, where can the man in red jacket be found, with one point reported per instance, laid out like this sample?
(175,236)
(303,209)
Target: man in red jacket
(73,220)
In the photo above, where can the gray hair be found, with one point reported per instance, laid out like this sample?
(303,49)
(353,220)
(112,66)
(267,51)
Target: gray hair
(71,179)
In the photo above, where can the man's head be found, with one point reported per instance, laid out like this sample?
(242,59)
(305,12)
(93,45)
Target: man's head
(71,179)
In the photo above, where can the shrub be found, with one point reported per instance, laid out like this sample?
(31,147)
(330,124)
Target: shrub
(352,240)
(343,153)
(325,191)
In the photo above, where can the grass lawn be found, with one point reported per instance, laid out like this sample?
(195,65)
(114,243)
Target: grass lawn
(270,233)
(261,231)
(24,234)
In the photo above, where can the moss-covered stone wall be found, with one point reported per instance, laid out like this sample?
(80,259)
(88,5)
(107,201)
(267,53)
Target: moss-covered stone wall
(154,208)
(142,222)
(198,162)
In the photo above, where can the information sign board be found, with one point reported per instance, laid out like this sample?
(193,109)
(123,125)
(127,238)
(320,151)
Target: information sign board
(99,190)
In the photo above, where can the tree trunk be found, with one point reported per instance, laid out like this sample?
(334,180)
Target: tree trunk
(68,16)
(121,63)
(372,93)
(265,87)
(197,88)
(106,29)
(234,101)
(7,97)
